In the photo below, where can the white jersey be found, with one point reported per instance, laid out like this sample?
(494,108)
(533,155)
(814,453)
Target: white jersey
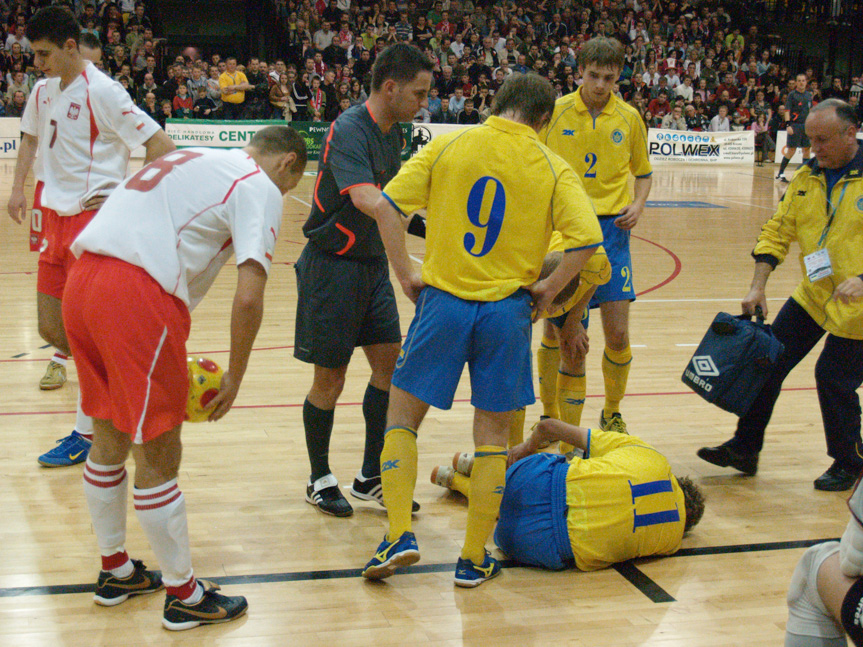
(181,217)
(85,137)
(33,121)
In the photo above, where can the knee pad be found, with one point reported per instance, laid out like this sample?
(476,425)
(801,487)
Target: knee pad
(852,613)
(851,549)
(807,615)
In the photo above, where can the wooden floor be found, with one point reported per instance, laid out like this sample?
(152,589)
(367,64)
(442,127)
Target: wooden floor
(244,477)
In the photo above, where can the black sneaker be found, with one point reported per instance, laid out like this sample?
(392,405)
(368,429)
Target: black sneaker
(724,456)
(327,497)
(838,478)
(112,590)
(370,490)
(211,609)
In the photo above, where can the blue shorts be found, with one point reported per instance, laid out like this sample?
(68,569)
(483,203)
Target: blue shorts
(532,525)
(559,320)
(616,243)
(491,337)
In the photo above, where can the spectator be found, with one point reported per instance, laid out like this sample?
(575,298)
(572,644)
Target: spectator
(674,120)
(233,85)
(469,115)
(17,36)
(204,107)
(720,122)
(456,101)
(150,105)
(660,106)
(17,102)
(764,144)
(18,84)
(317,101)
(183,103)
(685,90)
(445,116)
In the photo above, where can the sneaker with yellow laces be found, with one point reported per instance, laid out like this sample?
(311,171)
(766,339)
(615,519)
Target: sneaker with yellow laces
(54,378)
(615,423)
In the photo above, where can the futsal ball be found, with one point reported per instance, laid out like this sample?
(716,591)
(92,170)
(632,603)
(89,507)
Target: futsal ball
(205,377)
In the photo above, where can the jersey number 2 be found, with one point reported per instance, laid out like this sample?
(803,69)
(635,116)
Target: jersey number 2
(590,158)
(148,177)
(493,223)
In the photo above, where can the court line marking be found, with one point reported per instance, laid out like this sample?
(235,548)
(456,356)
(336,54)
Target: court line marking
(702,300)
(301,201)
(678,266)
(627,569)
(294,405)
(748,204)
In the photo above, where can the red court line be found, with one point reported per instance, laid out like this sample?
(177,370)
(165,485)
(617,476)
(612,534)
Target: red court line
(677,266)
(359,404)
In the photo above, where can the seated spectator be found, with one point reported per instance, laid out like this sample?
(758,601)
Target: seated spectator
(685,90)
(164,114)
(674,120)
(764,144)
(205,107)
(182,104)
(150,105)
(17,102)
(446,116)
(469,115)
(660,106)
(18,84)
(344,104)
(423,116)
(456,102)
(720,122)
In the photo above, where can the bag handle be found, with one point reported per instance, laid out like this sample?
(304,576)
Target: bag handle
(759,315)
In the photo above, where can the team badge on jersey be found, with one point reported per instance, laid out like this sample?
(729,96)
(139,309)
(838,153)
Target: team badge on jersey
(617,136)
(74,111)
(860,203)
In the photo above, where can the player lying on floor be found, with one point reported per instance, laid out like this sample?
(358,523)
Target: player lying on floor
(825,597)
(619,502)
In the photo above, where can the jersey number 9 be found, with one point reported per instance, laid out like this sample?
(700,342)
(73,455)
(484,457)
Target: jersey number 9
(475,201)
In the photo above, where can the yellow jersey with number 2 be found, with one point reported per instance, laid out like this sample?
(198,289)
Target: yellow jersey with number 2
(602,150)
(494,194)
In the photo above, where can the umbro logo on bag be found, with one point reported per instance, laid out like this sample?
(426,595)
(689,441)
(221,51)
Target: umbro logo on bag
(704,366)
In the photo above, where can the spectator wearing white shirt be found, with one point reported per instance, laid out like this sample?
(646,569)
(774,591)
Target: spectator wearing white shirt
(685,90)
(720,123)
(20,38)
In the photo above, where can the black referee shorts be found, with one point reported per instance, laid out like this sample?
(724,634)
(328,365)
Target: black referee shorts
(342,303)
(799,138)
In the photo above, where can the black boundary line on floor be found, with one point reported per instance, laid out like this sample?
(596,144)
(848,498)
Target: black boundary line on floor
(628,570)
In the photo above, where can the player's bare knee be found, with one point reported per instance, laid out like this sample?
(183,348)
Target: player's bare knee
(617,338)
(158,460)
(327,386)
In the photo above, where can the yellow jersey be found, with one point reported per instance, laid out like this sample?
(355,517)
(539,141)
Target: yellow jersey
(494,194)
(597,271)
(603,151)
(623,501)
(226,79)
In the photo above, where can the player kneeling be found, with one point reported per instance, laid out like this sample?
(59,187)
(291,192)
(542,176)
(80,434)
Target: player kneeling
(617,503)
(146,260)
(825,597)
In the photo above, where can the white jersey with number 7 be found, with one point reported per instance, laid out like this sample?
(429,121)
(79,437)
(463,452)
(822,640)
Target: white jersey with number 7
(85,138)
(181,217)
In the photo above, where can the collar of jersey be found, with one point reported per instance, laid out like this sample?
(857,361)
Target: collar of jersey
(581,106)
(511,127)
(854,167)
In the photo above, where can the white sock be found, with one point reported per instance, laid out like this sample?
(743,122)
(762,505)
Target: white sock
(105,487)
(83,423)
(162,513)
(60,358)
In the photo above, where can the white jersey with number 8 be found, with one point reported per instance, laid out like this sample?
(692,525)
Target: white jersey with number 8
(181,217)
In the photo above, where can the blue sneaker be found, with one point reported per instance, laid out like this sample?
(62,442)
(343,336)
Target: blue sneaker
(391,555)
(469,575)
(71,450)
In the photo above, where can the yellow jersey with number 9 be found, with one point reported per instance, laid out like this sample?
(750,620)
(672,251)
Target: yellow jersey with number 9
(494,194)
(602,150)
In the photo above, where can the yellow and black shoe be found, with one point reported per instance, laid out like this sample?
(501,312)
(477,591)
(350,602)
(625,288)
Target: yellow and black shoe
(615,423)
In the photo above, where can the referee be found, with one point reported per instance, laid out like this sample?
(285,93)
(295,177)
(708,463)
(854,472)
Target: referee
(798,105)
(345,298)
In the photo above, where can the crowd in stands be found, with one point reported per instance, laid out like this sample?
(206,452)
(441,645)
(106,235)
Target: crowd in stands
(688,66)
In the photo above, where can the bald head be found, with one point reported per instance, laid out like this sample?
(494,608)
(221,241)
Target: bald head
(832,128)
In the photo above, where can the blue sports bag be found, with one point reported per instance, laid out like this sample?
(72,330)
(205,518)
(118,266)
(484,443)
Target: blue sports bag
(733,361)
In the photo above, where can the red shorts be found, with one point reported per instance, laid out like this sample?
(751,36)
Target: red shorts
(55,259)
(37,215)
(128,337)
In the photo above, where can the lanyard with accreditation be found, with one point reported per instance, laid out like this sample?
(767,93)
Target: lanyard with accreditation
(817,263)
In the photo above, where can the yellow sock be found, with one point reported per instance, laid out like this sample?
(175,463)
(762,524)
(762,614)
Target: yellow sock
(516,428)
(399,477)
(486,490)
(547,362)
(571,391)
(461,483)
(615,370)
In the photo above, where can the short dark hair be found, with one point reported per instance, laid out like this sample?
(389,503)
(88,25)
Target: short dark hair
(844,111)
(274,140)
(401,63)
(604,52)
(88,40)
(54,24)
(528,95)
(693,501)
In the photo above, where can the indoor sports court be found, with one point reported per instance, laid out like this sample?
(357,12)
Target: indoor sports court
(244,476)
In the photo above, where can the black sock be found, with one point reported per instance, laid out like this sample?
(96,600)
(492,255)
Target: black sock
(375,403)
(319,428)
(783,165)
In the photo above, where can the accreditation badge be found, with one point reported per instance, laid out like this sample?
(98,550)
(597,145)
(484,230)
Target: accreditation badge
(818,265)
